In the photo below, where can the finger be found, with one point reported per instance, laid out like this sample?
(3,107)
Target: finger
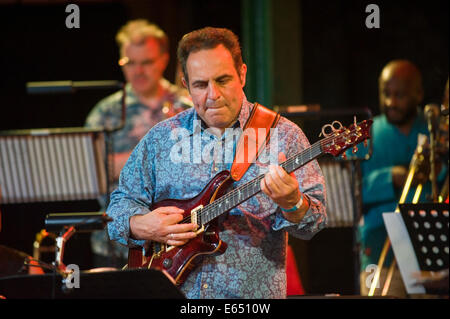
(270,180)
(264,187)
(172,219)
(169,210)
(182,228)
(281,159)
(283,179)
(177,239)
(182,236)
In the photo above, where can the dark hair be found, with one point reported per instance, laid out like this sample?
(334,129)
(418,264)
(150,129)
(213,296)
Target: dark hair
(208,38)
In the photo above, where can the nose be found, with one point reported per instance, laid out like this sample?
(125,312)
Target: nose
(213,92)
(390,101)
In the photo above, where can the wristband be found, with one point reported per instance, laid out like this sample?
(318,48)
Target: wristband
(297,206)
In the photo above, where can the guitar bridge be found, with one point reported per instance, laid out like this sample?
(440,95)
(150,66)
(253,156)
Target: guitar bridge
(159,248)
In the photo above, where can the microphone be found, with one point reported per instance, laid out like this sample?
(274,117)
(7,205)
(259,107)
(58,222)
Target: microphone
(57,87)
(80,221)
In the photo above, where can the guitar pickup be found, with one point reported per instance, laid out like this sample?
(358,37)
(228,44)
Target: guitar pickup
(195,219)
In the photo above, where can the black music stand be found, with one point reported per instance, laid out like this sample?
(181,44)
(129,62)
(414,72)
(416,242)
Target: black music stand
(427,225)
(125,284)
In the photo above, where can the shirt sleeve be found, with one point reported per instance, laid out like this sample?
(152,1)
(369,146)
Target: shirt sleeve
(377,185)
(132,197)
(95,117)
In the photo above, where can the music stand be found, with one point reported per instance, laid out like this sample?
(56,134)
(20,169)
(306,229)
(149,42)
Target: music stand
(422,245)
(427,225)
(121,284)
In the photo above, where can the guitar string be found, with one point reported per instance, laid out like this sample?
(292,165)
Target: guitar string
(248,186)
(208,209)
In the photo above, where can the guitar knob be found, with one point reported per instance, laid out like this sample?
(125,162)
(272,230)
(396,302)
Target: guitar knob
(344,156)
(167,263)
(365,143)
(355,149)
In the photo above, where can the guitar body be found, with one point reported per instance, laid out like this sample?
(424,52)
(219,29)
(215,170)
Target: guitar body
(178,261)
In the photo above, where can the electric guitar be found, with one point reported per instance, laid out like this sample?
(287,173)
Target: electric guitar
(213,201)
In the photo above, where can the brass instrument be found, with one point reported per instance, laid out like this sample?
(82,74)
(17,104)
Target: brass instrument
(416,162)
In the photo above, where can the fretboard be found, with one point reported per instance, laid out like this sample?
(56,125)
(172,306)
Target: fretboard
(251,188)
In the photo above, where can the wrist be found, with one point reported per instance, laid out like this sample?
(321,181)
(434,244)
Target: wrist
(295,207)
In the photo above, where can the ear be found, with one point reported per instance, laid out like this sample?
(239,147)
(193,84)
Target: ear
(243,74)
(185,84)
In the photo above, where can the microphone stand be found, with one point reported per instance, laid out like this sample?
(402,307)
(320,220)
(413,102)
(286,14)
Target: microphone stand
(433,181)
(109,162)
(432,115)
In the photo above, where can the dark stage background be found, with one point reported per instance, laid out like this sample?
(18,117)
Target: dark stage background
(321,53)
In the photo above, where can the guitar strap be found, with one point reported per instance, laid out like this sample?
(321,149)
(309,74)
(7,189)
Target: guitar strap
(250,144)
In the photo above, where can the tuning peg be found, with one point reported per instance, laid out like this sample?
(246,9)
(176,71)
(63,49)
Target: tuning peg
(344,156)
(354,149)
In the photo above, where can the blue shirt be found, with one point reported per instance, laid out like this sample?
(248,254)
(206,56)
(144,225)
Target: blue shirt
(253,266)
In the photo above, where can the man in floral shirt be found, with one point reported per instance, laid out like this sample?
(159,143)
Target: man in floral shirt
(175,161)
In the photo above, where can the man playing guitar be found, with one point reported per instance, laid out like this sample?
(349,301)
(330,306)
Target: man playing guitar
(254,232)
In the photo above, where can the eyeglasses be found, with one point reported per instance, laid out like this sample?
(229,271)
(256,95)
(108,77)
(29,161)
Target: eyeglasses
(126,62)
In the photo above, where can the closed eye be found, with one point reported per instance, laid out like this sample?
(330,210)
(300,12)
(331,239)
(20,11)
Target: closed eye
(224,79)
(200,84)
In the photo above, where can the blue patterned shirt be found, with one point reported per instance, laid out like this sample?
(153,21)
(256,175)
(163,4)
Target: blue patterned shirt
(253,266)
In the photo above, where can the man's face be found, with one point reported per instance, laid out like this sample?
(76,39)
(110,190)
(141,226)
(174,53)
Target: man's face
(398,99)
(144,65)
(215,86)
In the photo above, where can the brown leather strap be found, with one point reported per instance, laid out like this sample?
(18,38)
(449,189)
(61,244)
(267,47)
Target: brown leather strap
(251,143)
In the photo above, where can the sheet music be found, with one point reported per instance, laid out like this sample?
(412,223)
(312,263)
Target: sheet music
(403,251)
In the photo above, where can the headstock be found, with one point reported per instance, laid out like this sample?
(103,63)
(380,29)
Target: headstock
(340,138)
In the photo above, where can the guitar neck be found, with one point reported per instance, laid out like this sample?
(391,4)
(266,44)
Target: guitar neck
(251,188)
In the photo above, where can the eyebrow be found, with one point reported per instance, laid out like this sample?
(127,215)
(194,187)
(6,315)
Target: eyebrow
(219,78)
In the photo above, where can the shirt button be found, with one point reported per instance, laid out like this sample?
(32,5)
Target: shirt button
(205,286)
